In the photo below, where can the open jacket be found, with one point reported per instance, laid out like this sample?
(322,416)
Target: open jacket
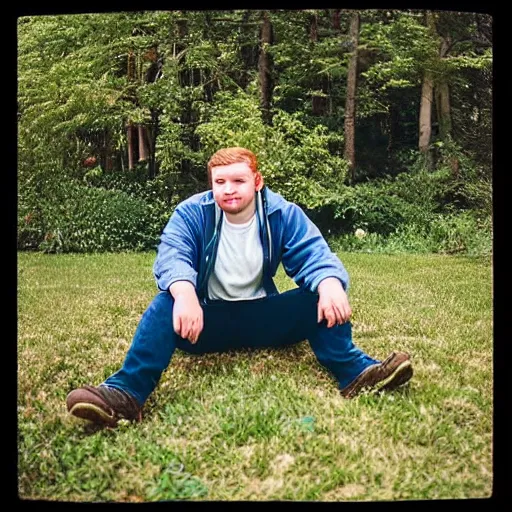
(189,241)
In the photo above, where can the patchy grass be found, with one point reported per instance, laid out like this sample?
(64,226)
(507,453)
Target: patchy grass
(260,425)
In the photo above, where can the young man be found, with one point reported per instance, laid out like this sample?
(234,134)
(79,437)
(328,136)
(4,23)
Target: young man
(214,268)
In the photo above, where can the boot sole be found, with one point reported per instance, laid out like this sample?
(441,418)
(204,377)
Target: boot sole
(398,378)
(93,413)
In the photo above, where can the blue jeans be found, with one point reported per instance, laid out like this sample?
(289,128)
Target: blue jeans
(275,321)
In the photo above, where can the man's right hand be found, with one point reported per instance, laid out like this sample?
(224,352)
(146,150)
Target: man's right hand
(187,315)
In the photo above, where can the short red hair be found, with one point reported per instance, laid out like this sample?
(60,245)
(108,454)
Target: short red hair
(233,155)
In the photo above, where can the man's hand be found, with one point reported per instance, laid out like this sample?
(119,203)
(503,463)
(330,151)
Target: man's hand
(187,315)
(333,303)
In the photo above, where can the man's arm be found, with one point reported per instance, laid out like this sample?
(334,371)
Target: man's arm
(177,257)
(308,259)
(175,270)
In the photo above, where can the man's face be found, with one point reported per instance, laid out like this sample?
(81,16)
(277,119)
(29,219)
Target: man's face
(233,189)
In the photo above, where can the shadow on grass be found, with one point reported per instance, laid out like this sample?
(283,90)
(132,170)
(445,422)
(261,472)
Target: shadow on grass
(229,359)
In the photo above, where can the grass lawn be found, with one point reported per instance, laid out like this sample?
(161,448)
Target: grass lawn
(264,425)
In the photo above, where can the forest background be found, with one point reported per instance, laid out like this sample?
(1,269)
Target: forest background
(377,122)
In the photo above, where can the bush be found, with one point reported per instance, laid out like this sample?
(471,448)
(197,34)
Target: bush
(135,183)
(84,219)
(461,233)
(294,159)
(369,207)
(384,205)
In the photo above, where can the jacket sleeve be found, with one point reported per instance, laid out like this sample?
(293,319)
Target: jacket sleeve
(306,256)
(177,254)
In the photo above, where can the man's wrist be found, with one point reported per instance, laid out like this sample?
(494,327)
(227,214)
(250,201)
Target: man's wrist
(328,280)
(182,288)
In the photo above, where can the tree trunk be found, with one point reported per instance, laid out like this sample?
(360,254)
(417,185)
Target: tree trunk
(336,21)
(246,50)
(426,112)
(181,33)
(393,128)
(129,128)
(350,103)
(443,111)
(143,146)
(336,25)
(443,98)
(313,27)
(150,130)
(131,66)
(319,101)
(152,133)
(106,152)
(265,69)
(427,94)
(131,150)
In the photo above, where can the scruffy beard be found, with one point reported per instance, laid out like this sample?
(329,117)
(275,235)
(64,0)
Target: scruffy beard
(238,208)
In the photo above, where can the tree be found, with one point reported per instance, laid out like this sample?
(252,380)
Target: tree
(265,67)
(465,41)
(130,90)
(456,36)
(427,93)
(89,70)
(350,104)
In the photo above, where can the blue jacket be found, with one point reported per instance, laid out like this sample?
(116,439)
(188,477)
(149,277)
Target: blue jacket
(189,241)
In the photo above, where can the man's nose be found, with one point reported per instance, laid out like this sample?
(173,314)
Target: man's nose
(228,188)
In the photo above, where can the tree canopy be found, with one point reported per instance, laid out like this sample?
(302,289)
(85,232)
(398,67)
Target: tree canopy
(106,97)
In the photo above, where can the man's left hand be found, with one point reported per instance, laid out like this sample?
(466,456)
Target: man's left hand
(333,303)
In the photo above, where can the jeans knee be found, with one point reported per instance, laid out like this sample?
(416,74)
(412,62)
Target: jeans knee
(162,300)
(160,308)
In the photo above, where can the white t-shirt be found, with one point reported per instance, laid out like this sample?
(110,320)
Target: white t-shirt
(238,270)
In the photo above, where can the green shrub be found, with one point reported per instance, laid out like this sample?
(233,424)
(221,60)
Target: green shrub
(407,239)
(461,232)
(422,189)
(369,207)
(384,205)
(85,219)
(136,183)
(294,159)
(453,233)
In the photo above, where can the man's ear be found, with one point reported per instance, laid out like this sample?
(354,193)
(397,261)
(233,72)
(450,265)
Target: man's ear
(258,181)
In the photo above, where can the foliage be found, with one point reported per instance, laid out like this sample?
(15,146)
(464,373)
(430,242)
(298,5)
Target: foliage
(159,191)
(323,61)
(68,82)
(456,233)
(381,206)
(369,208)
(403,45)
(419,211)
(83,219)
(469,186)
(194,86)
(461,233)
(295,160)
(406,47)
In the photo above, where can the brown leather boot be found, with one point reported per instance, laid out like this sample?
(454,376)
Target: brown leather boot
(394,371)
(103,405)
